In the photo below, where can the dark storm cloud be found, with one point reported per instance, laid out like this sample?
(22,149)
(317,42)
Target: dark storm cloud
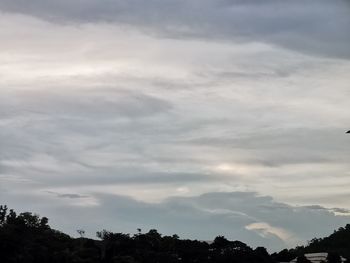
(315,27)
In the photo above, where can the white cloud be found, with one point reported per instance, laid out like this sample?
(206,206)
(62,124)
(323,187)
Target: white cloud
(265,230)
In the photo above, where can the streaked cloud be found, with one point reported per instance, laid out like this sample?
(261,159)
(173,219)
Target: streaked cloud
(313,27)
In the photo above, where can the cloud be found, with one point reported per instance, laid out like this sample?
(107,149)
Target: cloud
(266,230)
(114,103)
(313,27)
(336,210)
(341,210)
(70,196)
(284,144)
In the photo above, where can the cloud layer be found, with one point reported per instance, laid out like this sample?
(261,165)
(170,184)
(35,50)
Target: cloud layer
(317,27)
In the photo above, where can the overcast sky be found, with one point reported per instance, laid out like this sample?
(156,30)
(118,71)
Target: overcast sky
(195,117)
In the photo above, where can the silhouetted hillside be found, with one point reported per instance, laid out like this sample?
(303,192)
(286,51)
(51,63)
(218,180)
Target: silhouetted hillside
(338,243)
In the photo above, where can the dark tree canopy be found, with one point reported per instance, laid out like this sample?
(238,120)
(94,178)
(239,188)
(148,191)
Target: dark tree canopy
(333,257)
(335,245)
(27,238)
(302,259)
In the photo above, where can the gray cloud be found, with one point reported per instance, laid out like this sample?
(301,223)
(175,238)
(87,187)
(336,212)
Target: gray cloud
(112,103)
(286,146)
(340,210)
(111,176)
(56,139)
(70,196)
(315,27)
(334,210)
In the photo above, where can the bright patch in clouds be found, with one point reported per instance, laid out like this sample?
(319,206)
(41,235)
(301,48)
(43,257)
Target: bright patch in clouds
(265,230)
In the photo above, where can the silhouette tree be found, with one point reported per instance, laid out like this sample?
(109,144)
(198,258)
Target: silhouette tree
(284,256)
(336,242)
(262,254)
(333,257)
(303,259)
(28,238)
(220,242)
(3,213)
(81,233)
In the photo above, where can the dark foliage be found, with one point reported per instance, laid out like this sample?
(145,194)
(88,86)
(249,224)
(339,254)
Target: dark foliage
(27,238)
(334,257)
(336,244)
(302,259)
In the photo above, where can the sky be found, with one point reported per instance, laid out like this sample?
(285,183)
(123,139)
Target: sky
(195,117)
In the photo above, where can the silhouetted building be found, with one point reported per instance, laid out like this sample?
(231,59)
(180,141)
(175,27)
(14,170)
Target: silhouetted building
(316,258)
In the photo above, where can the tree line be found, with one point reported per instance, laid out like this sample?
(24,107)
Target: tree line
(28,238)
